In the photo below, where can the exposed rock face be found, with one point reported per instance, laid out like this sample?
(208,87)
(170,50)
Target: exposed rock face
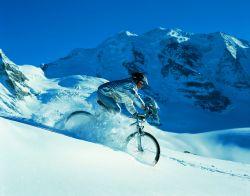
(231,71)
(206,96)
(137,63)
(12,78)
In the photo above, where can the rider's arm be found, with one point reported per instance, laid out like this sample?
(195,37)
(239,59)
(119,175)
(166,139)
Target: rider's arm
(130,107)
(136,98)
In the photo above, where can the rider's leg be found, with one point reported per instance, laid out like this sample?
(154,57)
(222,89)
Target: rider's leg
(109,103)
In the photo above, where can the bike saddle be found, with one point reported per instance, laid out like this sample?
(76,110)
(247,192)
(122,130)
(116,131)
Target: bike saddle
(100,103)
(141,116)
(103,105)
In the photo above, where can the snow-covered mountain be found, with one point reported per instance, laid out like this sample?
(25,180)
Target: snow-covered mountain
(12,78)
(54,99)
(201,83)
(183,71)
(189,74)
(168,53)
(14,87)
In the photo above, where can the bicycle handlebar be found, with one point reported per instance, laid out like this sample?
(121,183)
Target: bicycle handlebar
(141,116)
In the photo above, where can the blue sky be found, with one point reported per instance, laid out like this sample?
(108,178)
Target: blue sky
(40,31)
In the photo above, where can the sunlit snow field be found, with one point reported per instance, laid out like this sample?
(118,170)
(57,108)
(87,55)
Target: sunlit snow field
(41,154)
(34,160)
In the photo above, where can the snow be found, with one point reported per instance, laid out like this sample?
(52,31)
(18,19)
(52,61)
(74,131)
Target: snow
(56,98)
(232,44)
(4,58)
(130,34)
(45,158)
(212,60)
(177,33)
(222,144)
(40,162)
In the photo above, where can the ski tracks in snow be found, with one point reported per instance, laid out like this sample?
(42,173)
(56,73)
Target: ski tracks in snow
(208,168)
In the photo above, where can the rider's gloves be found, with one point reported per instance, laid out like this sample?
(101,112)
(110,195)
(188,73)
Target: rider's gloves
(148,110)
(145,108)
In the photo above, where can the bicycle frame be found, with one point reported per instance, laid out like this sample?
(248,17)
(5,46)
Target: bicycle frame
(139,128)
(142,139)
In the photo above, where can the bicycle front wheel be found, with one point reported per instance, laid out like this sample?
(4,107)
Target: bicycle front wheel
(144,147)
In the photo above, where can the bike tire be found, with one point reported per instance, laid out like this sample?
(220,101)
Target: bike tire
(78,120)
(152,138)
(76,113)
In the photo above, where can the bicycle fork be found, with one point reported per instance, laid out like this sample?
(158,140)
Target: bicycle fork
(139,144)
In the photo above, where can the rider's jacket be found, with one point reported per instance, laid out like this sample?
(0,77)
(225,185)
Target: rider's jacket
(123,91)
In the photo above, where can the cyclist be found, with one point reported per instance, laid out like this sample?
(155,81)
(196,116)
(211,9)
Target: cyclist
(112,93)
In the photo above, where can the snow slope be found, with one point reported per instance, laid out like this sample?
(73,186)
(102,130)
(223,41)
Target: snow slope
(56,98)
(40,162)
(197,93)
(231,144)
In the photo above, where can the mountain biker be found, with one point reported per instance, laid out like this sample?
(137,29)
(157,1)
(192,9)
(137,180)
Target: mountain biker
(124,91)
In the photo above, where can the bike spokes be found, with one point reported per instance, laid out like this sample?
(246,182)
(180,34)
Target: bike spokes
(139,146)
(144,148)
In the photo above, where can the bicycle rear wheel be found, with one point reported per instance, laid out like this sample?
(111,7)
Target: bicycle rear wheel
(144,147)
(78,119)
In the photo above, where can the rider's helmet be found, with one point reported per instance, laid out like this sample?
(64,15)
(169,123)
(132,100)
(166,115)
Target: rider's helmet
(139,77)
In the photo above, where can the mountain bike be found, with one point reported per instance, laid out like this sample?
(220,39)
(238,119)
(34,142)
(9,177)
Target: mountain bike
(141,144)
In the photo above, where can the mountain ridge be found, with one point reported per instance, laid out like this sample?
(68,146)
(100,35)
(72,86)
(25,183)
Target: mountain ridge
(175,53)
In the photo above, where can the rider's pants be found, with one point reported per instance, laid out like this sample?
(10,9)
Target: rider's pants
(109,102)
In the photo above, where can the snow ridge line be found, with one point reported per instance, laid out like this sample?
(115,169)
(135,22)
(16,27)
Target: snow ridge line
(42,126)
